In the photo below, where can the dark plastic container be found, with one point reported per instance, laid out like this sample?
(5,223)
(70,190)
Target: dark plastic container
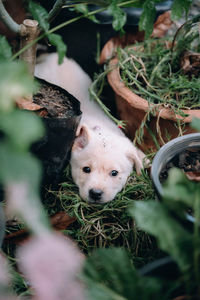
(54,148)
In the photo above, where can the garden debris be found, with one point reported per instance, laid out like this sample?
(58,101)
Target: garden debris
(194,176)
(190,63)
(60,221)
(53,99)
(26,104)
(188,161)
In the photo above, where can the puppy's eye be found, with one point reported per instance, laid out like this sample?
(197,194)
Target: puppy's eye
(113,173)
(86,169)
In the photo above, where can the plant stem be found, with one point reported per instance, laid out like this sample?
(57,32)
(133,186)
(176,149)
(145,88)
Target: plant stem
(95,96)
(7,20)
(135,81)
(56,9)
(65,24)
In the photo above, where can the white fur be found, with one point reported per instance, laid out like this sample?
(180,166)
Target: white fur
(100,144)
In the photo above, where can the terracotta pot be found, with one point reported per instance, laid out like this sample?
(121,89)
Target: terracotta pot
(133,109)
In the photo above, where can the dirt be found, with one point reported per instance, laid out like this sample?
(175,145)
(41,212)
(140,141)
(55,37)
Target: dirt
(54,100)
(188,161)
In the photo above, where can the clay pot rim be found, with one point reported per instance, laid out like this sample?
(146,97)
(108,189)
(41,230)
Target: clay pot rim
(137,102)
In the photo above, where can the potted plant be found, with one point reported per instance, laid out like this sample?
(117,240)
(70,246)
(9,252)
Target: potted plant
(150,118)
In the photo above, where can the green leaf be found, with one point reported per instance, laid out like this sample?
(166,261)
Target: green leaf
(83,8)
(154,218)
(179,7)
(24,169)
(17,166)
(56,40)
(110,275)
(178,188)
(40,14)
(119,16)
(22,128)
(15,81)
(147,17)
(5,49)
(196,123)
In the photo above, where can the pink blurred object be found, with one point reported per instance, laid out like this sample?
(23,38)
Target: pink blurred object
(51,264)
(5,280)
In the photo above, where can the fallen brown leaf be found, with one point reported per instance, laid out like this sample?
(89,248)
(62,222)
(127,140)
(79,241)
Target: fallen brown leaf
(194,176)
(23,103)
(60,221)
(190,63)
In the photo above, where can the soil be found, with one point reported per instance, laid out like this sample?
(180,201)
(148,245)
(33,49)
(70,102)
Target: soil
(54,100)
(188,161)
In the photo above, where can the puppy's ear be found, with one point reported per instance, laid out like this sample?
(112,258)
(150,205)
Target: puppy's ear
(136,156)
(82,138)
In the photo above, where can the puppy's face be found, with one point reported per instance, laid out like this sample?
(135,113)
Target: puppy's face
(101,165)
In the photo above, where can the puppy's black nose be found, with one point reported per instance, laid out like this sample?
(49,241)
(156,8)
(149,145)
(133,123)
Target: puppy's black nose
(95,194)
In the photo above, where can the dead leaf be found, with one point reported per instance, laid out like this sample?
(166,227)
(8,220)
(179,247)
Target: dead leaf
(190,63)
(194,176)
(162,25)
(60,221)
(26,104)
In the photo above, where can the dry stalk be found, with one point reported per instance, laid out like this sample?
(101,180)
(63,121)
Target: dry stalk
(158,127)
(29,32)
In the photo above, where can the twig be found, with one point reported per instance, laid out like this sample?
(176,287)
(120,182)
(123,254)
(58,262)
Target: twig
(56,9)
(140,72)
(158,127)
(29,31)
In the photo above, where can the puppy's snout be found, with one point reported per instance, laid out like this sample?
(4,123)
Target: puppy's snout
(95,194)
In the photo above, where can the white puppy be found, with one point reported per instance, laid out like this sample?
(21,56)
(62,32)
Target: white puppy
(102,156)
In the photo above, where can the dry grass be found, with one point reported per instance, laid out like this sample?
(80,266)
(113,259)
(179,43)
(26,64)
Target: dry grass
(106,225)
